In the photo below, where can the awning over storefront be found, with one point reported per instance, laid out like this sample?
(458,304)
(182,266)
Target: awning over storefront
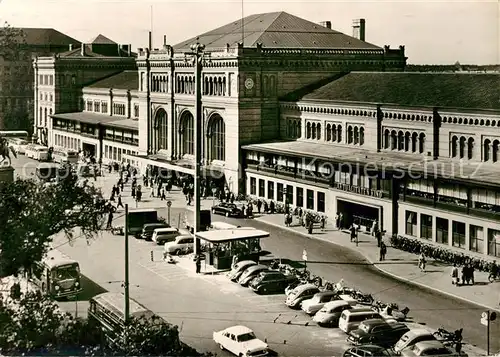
(231,235)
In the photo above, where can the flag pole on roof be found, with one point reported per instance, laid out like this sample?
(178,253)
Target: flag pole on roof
(242,23)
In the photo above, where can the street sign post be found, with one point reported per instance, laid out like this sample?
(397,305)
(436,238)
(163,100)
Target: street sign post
(486,318)
(169,204)
(304,258)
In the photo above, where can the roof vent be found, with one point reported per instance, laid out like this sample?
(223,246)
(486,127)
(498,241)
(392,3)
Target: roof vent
(327,24)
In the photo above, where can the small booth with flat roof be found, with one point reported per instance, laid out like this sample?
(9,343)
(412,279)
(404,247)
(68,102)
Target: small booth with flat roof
(225,244)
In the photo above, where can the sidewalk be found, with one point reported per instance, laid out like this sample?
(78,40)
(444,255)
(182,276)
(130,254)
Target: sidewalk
(399,264)
(403,265)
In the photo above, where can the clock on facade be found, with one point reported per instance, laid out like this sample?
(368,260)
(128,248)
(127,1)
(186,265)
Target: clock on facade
(249,83)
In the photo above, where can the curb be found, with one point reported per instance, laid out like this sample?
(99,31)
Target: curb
(377,266)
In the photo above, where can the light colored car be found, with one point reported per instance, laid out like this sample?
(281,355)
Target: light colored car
(299,294)
(329,314)
(251,273)
(181,243)
(164,235)
(412,337)
(241,341)
(239,268)
(428,348)
(313,305)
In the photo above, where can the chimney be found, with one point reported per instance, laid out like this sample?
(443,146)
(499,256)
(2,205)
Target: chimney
(327,24)
(358,29)
(164,40)
(129,50)
(71,47)
(83,49)
(150,46)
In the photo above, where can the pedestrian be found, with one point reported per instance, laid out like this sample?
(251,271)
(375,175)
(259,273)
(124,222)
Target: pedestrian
(198,264)
(152,193)
(122,186)
(471,274)
(454,275)
(422,262)
(138,194)
(374,228)
(465,278)
(341,221)
(337,220)
(378,235)
(120,203)
(232,197)
(163,196)
(133,191)
(266,207)
(323,222)
(383,251)
(271,207)
(353,232)
(259,205)
(110,220)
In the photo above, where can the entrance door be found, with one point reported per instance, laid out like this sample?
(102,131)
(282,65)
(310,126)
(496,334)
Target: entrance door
(89,148)
(358,213)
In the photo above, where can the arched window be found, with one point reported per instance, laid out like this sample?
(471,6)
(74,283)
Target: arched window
(401,140)
(414,140)
(470,148)
(349,135)
(217,139)
(299,129)
(308,131)
(187,133)
(160,130)
(486,150)
(386,139)
(494,151)
(339,133)
(361,136)
(454,145)
(356,135)
(313,131)
(318,132)
(328,132)
(394,140)
(407,141)
(45,117)
(334,133)
(421,143)
(462,147)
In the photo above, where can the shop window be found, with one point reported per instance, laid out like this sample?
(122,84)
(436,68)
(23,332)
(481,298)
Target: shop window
(458,234)
(262,188)
(411,223)
(442,230)
(270,190)
(476,239)
(289,194)
(253,186)
(494,243)
(426,226)
(300,197)
(310,199)
(279,198)
(321,202)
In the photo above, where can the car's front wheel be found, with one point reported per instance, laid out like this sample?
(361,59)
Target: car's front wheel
(227,214)
(221,347)
(213,211)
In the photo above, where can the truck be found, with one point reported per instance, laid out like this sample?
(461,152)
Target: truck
(205,220)
(137,218)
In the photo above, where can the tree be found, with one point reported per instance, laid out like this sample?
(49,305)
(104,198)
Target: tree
(33,212)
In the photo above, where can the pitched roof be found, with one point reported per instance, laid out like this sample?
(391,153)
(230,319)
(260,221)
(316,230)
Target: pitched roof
(103,40)
(77,52)
(276,30)
(452,90)
(104,119)
(124,80)
(47,36)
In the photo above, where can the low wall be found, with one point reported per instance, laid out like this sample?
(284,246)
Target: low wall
(6,174)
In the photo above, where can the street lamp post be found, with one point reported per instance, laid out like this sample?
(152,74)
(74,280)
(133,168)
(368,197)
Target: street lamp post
(198,56)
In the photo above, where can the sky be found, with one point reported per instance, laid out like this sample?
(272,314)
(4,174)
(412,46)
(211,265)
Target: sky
(434,32)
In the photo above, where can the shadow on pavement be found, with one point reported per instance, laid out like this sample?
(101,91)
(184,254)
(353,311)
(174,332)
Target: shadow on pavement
(90,289)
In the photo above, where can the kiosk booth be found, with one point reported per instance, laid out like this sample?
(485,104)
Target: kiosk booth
(224,245)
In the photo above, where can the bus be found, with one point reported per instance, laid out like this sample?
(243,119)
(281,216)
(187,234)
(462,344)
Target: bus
(57,276)
(108,311)
(8,134)
(65,156)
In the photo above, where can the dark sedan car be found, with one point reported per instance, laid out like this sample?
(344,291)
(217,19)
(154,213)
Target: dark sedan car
(271,282)
(378,332)
(227,209)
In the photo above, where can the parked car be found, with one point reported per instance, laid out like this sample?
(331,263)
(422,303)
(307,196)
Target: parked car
(239,268)
(227,209)
(271,282)
(241,341)
(299,294)
(368,351)
(428,348)
(251,273)
(377,331)
(161,236)
(412,337)
(313,305)
(329,314)
(351,319)
(181,244)
(148,229)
